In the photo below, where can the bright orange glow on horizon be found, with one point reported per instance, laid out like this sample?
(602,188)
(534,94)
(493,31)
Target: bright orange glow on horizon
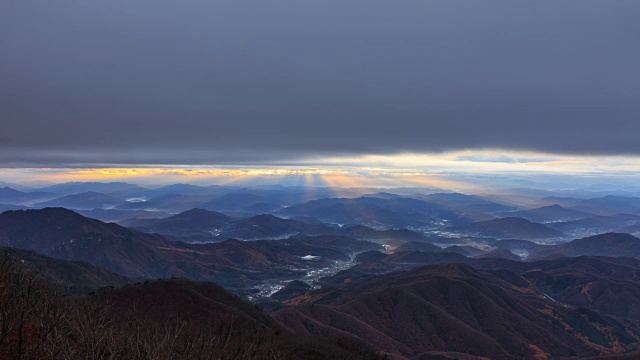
(128,173)
(384,171)
(322,177)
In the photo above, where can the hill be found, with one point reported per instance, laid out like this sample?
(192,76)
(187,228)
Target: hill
(551,213)
(16,197)
(499,254)
(468,251)
(454,308)
(411,258)
(246,202)
(118,216)
(609,244)
(158,319)
(171,203)
(375,212)
(112,188)
(292,289)
(417,246)
(75,277)
(510,227)
(610,205)
(464,202)
(198,225)
(270,227)
(64,234)
(192,222)
(83,201)
(605,284)
(597,224)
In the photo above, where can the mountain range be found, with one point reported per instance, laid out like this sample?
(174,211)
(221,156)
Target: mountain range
(454,308)
(550,213)
(64,234)
(401,275)
(609,244)
(199,225)
(510,228)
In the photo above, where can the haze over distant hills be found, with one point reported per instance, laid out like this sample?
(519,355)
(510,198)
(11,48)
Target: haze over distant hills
(550,213)
(609,244)
(597,224)
(12,196)
(83,201)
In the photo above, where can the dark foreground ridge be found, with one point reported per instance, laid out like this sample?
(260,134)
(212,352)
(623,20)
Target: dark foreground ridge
(159,319)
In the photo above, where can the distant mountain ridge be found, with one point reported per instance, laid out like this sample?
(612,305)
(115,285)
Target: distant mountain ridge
(190,222)
(64,234)
(464,202)
(609,244)
(199,225)
(598,224)
(83,201)
(16,197)
(610,205)
(510,228)
(550,213)
(396,212)
(120,188)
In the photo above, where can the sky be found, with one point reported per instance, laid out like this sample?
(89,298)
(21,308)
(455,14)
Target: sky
(436,87)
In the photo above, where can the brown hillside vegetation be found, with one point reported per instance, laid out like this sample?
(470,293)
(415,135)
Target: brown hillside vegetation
(161,319)
(607,284)
(454,308)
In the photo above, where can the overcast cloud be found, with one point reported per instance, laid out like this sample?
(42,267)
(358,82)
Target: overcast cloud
(215,82)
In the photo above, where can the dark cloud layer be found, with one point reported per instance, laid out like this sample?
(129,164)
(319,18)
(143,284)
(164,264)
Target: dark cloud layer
(207,81)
